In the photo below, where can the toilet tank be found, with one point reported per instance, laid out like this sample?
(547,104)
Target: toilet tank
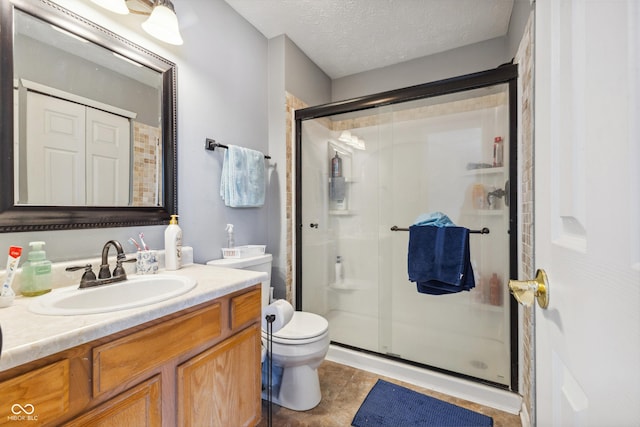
(261,263)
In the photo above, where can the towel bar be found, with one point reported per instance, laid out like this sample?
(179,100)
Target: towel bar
(484,230)
(211,144)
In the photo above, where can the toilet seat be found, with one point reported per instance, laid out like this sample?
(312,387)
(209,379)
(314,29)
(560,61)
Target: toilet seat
(301,329)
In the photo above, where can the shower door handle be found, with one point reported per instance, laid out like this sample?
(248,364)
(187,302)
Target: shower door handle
(313,225)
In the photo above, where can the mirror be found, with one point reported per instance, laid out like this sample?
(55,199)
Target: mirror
(88,118)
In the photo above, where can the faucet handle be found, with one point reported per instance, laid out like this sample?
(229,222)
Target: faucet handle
(119,270)
(87,275)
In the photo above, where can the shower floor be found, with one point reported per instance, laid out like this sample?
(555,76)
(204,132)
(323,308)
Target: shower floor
(478,357)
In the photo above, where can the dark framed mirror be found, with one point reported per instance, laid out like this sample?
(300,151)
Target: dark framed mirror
(87,124)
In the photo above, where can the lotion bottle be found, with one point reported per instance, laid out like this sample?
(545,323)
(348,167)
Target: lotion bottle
(495,296)
(173,245)
(36,272)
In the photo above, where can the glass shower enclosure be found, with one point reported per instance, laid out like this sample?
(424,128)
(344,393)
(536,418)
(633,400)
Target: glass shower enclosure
(366,170)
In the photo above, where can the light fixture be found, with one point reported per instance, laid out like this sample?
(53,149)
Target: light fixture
(345,136)
(352,140)
(115,6)
(163,23)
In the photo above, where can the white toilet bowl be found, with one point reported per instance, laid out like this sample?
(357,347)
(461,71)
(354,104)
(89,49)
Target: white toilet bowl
(299,348)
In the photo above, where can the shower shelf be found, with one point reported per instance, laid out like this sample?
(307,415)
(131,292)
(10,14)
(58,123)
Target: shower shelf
(346,180)
(349,285)
(485,171)
(484,212)
(345,212)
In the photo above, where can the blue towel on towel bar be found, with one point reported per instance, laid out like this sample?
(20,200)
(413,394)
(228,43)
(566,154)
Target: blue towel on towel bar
(438,259)
(242,184)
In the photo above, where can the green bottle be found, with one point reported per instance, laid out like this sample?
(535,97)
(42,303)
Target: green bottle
(36,272)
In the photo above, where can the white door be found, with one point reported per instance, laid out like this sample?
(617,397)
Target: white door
(55,151)
(587,217)
(107,161)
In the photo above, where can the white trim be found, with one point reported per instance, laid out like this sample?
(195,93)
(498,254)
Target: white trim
(452,386)
(47,90)
(525,420)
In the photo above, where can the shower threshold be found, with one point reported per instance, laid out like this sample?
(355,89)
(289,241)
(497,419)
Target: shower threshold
(450,385)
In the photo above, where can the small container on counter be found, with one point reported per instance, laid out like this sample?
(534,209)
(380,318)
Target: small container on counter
(146,262)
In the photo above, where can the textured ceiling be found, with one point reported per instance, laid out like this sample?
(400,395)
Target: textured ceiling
(344,37)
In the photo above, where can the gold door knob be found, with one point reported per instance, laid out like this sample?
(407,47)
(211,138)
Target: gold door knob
(525,291)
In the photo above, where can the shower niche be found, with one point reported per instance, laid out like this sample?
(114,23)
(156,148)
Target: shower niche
(366,170)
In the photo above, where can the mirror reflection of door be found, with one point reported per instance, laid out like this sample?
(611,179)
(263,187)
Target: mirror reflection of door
(107,159)
(76,155)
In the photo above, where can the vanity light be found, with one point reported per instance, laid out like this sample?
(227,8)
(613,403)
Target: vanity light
(115,6)
(348,138)
(345,136)
(163,23)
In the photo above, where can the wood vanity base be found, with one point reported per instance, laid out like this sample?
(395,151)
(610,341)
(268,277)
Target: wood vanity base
(196,367)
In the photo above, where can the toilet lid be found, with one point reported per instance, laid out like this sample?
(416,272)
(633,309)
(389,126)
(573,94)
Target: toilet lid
(303,326)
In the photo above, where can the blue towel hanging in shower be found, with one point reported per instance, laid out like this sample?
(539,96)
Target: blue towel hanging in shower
(438,259)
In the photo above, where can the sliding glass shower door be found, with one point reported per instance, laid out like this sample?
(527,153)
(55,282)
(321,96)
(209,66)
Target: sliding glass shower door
(365,177)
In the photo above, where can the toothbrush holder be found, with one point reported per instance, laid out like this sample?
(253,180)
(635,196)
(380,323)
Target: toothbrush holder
(146,262)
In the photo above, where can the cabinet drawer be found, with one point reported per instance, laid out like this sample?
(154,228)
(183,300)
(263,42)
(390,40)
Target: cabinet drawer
(116,362)
(245,308)
(139,406)
(42,395)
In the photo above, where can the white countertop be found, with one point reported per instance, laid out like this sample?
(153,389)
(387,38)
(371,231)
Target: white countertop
(27,336)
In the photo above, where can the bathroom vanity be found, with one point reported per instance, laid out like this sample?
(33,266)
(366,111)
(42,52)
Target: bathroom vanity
(191,360)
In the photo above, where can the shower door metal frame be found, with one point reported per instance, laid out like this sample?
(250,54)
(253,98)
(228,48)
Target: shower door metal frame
(504,74)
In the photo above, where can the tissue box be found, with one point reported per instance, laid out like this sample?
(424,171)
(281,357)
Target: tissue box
(243,251)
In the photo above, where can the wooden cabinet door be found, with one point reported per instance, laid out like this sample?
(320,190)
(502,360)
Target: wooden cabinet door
(136,407)
(37,397)
(221,386)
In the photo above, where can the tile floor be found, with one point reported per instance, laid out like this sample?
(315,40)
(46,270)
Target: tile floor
(343,391)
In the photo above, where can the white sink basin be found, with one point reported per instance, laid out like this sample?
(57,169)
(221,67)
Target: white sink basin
(134,292)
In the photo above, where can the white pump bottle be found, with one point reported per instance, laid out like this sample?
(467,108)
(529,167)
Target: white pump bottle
(173,245)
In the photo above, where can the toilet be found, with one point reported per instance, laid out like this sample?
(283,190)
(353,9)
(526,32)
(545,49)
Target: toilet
(298,348)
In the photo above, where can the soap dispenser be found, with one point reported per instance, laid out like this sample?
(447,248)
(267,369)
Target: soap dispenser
(36,274)
(173,245)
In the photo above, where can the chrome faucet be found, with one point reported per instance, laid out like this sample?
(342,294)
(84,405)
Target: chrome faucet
(105,277)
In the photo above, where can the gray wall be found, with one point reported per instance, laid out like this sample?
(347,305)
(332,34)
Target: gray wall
(222,72)
(222,94)
(303,78)
(468,59)
(290,70)
(44,64)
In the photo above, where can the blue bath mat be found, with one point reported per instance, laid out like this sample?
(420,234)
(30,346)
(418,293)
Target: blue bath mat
(391,405)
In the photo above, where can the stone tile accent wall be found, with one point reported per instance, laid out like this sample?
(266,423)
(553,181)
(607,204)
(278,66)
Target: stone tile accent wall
(292,104)
(147,158)
(524,59)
